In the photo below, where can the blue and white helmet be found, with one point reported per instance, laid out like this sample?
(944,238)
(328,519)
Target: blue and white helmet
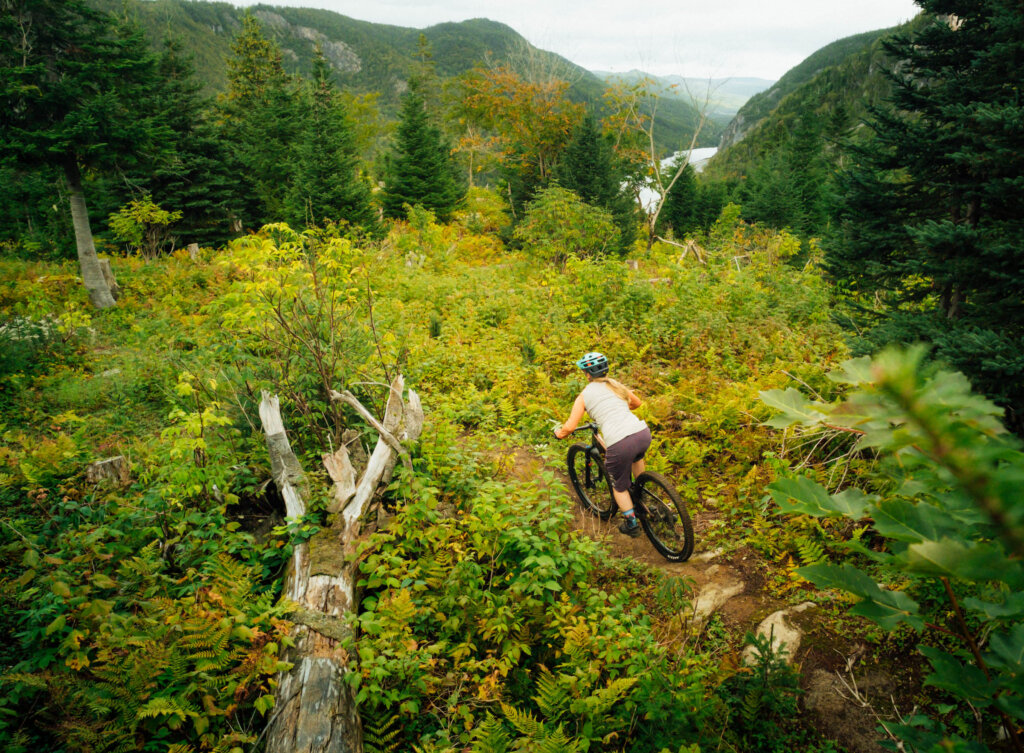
(594,364)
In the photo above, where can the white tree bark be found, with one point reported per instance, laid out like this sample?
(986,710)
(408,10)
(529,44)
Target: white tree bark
(315,711)
(88,261)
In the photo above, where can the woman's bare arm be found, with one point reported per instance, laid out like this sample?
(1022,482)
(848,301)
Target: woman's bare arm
(634,401)
(578,409)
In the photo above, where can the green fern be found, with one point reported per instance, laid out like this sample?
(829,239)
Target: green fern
(811,552)
(380,731)
(558,742)
(166,706)
(552,697)
(750,707)
(523,722)
(490,736)
(600,702)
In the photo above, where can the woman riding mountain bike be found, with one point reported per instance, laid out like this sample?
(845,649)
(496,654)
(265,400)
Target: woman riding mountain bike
(610,404)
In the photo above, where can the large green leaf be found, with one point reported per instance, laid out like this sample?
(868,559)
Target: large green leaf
(906,521)
(853,371)
(957,559)
(800,496)
(1012,607)
(795,408)
(1009,648)
(962,679)
(887,608)
(853,503)
(805,497)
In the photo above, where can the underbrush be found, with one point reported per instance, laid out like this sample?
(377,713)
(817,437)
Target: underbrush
(485,623)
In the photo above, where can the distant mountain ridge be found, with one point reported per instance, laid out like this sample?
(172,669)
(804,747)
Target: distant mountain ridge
(834,88)
(836,54)
(370,57)
(727,95)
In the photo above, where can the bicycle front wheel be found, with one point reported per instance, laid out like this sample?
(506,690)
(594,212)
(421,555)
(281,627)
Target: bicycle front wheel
(586,472)
(664,517)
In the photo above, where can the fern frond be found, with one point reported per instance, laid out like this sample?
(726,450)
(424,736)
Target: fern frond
(811,552)
(577,640)
(552,697)
(751,707)
(165,706)
(380,731)
(559,742)
(523,721)
(490,736)
(601,701)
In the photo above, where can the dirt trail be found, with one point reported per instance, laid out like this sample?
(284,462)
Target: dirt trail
(711,571)
(732,585)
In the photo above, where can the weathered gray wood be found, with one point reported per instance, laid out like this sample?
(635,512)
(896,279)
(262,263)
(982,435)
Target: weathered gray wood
(315,710)
(112,469)
(348,398)
(285,467)
(108,275)
(339,468)
(88,262)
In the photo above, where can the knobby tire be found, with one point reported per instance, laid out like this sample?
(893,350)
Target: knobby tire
(589,481)
(664,518)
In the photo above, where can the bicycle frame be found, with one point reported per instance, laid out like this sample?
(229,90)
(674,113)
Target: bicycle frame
(666,522)
(598,446)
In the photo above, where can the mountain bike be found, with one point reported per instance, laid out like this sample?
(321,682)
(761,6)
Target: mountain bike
(656,502)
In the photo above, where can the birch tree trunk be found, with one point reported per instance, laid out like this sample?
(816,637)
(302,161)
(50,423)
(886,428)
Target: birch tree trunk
(315,711)
(88,262)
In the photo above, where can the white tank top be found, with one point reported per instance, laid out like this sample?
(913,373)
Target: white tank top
(611,413)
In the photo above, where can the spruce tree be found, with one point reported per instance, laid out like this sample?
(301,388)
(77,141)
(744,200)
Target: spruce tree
(421,169)
(771,194)
(328,184)
(191,173)
(70,81)
(588,168)
(929,246)
(681,211)
(262,124)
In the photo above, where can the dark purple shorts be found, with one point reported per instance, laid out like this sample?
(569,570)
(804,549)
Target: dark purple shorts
(619,458)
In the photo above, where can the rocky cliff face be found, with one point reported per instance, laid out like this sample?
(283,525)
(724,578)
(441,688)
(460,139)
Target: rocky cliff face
(741,124)
(341,57)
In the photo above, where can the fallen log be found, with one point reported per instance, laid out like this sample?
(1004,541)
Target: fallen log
(315,711)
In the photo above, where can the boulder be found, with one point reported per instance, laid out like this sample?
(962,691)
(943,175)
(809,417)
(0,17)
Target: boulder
(785,634)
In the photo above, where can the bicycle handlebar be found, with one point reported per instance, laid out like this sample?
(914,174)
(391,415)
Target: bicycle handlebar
(585,427)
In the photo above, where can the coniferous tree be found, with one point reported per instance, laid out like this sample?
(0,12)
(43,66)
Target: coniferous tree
(933,212)
(69,84)
(771,194)
(262,124)
(588,168)
(805,161)
(191,172)
(682,208)
(421,170)
(328,184)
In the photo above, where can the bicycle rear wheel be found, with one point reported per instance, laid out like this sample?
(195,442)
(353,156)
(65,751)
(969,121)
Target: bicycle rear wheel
(586,472)
(664,517)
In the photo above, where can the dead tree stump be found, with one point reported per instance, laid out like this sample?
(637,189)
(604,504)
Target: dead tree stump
(315,711)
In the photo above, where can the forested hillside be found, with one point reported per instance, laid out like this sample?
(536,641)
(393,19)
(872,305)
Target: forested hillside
(377,59)
(849,58)
(777,154)
(281,386)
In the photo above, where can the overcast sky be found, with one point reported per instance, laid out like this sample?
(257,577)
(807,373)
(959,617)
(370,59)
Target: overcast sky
(716,38)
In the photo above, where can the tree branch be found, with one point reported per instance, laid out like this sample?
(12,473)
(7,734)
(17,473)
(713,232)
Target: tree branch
(349,399)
